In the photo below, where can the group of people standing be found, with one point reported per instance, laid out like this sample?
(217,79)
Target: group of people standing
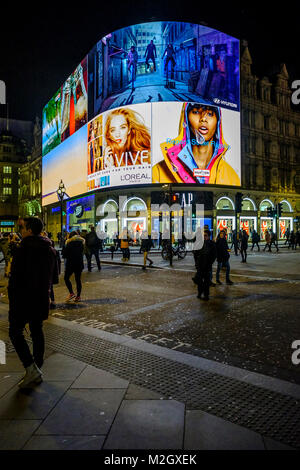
(204,259)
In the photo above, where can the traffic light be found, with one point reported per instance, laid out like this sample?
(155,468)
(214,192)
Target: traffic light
(279,209)
(175,198)
(238,202)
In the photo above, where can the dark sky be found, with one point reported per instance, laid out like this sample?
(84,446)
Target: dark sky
(41,46)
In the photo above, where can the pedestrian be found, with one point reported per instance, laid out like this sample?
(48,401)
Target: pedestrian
(287,235)
(292,240)
(32,271)
(73,254)
(255,240)
(57,270)
(93,245)
(146,246)
(125,239)
(274,240)
(222,257)
(244,246)
(235,242)
(297,239)
(268,241)
(204,259)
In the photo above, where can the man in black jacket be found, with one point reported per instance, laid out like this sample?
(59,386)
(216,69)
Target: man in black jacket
(73,254)
(204,258)
(222,257)
(32,271)
(93,244)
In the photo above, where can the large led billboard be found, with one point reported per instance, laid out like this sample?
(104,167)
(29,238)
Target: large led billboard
(151,103)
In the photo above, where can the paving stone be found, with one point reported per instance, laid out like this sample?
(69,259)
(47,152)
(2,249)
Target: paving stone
(15,433)
(60,367)
(13,364)
(64,443)
(32,403)
(208,432)
(8,380)
(91,377)
(83,412)
(135,392)
(147,424)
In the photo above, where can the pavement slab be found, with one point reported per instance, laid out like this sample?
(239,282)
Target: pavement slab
(15,433)
(83,412)
(32,403)
(92,377)
(204,431)
(64,443)
(147,424)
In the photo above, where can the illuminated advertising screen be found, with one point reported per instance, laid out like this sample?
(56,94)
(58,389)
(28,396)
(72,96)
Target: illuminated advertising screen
(151,103)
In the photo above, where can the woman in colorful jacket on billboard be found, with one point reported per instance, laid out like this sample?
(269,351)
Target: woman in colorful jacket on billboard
(197,154)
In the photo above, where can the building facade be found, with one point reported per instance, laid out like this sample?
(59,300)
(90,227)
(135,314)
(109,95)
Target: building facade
(13,155)
(30,196)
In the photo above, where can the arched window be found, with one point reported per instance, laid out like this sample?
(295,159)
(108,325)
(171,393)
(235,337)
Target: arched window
(248,204)
(265,204)
(134,204)
(224,203)
(286,206)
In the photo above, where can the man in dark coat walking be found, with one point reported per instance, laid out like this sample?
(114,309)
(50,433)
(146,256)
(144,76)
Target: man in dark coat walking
(204,258)
(73,254)
(32,271)
(222,257)
(93,244)
(244,246)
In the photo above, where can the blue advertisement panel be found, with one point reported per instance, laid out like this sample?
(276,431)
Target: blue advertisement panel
(164,61)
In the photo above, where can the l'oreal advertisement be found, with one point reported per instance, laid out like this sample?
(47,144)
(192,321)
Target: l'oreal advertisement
(191,143)
(120,153)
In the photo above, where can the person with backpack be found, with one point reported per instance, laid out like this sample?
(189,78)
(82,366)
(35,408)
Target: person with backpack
(268,241)
(93,244)
(146,246)
(125,239)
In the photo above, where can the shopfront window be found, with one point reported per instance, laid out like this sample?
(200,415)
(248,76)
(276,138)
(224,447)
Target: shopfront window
(136,218)
(227,224)
(109,223)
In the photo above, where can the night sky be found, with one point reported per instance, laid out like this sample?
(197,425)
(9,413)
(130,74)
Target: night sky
(41,46)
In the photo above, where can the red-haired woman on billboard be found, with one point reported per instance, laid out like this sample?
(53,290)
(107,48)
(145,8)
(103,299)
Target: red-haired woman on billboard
(199,150)
(128,139)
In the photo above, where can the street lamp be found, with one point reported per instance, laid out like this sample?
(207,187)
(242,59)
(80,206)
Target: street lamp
(61,191)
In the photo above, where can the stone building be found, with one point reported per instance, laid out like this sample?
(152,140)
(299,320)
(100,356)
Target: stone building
(30,197)
(14,149)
